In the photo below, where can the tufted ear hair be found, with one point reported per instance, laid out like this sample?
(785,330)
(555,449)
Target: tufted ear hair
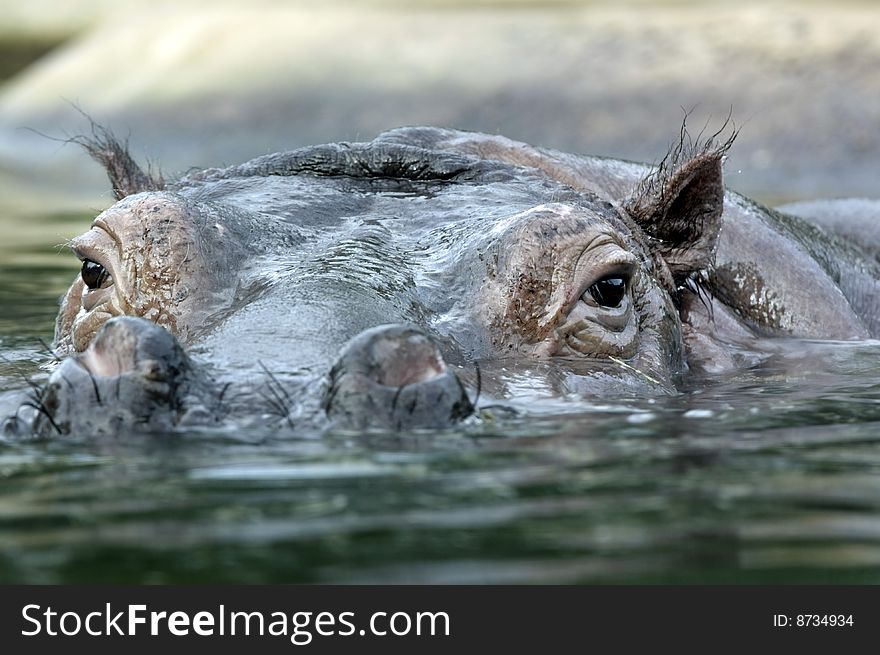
(679,206)
(126,177)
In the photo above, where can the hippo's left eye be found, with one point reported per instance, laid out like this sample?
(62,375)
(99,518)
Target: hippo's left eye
(93,274)
(609,291)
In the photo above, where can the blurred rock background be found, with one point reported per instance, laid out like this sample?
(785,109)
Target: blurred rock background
(199,84)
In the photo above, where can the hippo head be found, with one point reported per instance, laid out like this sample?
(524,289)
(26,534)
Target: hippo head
(388,260)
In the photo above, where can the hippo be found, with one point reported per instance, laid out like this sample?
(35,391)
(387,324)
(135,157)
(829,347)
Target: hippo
(393,284)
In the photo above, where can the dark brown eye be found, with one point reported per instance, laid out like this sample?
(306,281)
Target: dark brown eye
(93,274)
(608,292)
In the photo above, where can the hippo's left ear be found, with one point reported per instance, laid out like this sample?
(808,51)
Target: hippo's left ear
(679,208)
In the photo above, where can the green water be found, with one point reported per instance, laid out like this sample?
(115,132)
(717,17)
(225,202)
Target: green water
(771,476)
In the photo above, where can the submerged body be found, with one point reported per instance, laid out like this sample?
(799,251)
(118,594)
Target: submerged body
(359,284)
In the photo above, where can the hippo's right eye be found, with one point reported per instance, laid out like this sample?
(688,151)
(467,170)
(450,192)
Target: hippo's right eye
(93,274)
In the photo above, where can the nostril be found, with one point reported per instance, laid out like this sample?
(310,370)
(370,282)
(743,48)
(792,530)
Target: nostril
(394,377)
(153,370)
(126,344)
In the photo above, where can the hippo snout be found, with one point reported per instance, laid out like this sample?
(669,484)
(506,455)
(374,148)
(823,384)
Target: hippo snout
(394,377)
(133,377)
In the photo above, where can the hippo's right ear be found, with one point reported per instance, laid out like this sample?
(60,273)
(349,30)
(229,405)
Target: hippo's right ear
(679,208)
(126,177)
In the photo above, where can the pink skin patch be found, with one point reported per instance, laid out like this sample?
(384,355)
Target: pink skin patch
(107,361)
(407,361)
(115,352)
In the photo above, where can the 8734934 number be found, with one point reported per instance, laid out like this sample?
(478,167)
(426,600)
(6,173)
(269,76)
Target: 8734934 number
(823,620)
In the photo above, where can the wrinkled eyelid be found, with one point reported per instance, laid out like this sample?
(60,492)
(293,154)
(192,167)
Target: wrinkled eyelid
(75,245)
(623,264)
(624,267)
(88,245)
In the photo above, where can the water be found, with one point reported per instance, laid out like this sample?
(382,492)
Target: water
(769,476)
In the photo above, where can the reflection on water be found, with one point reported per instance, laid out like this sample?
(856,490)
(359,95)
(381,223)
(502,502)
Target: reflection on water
(770,476)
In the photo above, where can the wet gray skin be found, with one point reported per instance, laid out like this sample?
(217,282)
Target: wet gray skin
(359,285)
